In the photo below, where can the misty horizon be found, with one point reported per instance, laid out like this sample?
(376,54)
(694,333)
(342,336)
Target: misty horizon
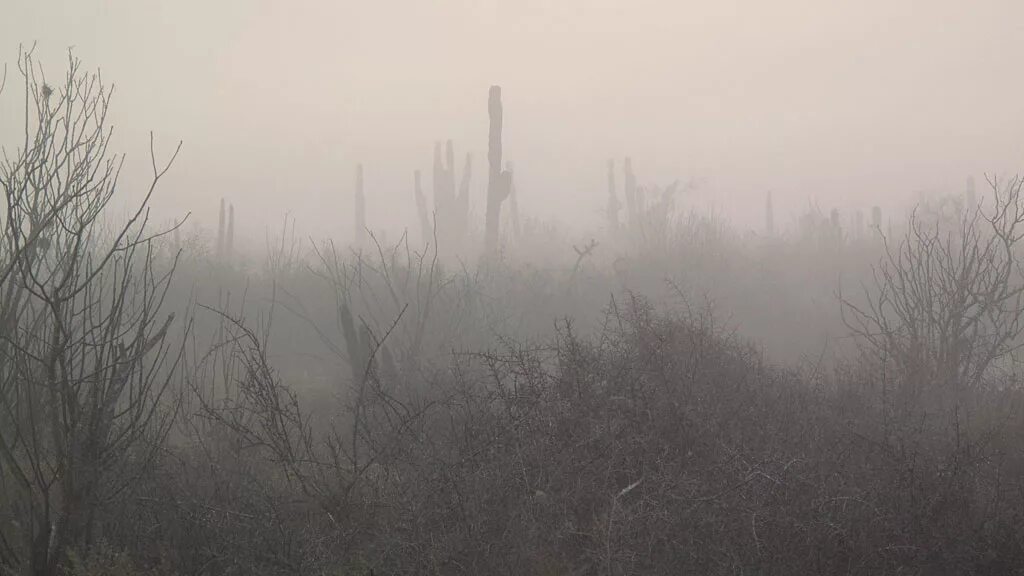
(511,287)
(842,107)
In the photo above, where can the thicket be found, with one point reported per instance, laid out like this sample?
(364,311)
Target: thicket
(384,410)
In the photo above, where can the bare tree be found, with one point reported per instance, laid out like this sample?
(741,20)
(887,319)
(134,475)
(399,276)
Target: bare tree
(947,300)
(85,358)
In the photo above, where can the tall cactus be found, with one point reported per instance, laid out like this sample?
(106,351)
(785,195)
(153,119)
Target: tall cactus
(229,246)
(360,209)
(446,208)
(358,345)
(498,181)
(220,233)
(513,200)
(614,206)
(449,175)
(368,358)
(440,181)
(448,225)
(876,218)
(629,184)
(835,226)
(461,207)
(426,229)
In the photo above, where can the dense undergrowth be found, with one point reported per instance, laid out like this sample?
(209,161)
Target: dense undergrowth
(656,446)
(682,401)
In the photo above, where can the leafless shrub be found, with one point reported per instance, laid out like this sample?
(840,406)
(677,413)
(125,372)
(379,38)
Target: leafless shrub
(946,303)
(85,358)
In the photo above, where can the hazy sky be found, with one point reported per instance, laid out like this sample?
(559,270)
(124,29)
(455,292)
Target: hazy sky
(847,102)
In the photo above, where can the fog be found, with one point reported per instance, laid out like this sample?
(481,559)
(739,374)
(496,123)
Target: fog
(537,287)
(849,104)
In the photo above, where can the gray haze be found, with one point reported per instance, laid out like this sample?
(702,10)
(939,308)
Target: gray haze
(851,103)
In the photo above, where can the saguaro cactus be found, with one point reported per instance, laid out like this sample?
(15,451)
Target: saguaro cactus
(437,175)
(358,345)
(444,179)
(448,225)
(513,199)
(426,229)
(614,206)
(629,188)
(876,218)
(447,208)
(448,185)
(835,226)
(229,246)
(461,207)
(499,182)
(360,209)
(220,232)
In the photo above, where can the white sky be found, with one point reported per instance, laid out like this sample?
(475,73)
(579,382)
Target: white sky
(851,103)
